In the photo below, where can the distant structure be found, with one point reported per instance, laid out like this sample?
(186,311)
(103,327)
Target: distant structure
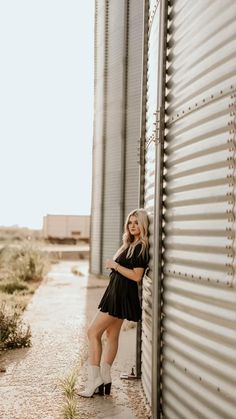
(66,229)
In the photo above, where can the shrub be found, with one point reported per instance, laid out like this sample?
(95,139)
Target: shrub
(12,285)
(25,263)
(13,333)
(21,268)
(76,271)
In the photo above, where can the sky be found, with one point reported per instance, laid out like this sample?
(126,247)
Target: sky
(46,109)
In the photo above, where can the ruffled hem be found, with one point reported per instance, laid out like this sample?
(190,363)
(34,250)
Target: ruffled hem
(134,317)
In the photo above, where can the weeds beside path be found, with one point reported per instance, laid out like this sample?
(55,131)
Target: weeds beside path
(22,269)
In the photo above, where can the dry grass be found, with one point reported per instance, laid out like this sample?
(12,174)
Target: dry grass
(13,333)
(21,271)
(128,325)
(68,385)
(76,271)
(19,299)
(18,234)
(25,262)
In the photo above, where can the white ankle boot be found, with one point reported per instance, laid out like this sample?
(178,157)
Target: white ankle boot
(106,377)
(94,380)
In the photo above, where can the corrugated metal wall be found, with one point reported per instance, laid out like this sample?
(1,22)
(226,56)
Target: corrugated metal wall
(98,136)
(199,296)
(118,70)
(115,135)
(149,193)
(133,112)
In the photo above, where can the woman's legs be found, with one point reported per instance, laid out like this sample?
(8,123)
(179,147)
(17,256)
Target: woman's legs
(110,352)
(97,377)
(100,323)
(112,332)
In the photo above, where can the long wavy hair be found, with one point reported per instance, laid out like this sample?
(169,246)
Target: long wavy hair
(128,239)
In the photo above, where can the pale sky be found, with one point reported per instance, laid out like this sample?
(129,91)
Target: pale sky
(46,109)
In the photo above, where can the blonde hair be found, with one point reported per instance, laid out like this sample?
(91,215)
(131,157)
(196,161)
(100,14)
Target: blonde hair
(128,239)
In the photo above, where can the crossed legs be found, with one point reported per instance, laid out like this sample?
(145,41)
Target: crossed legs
(100,323)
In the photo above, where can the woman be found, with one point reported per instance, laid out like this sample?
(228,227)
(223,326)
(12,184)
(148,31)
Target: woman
(120,301)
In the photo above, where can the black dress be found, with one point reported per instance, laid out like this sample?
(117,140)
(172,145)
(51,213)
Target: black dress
(121,297)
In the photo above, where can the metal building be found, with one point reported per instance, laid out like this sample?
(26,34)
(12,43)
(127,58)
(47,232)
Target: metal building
(117,107)
(59,228)
(188,345)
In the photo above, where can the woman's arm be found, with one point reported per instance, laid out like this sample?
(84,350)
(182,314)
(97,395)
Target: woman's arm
(133,274)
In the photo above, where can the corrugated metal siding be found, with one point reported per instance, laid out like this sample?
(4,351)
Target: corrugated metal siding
(118,68)
(134,75)
(98,139)
(113,187)
(149,194)
(199,289)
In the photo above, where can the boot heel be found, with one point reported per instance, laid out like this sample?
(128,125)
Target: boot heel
(101,390)
(107,388)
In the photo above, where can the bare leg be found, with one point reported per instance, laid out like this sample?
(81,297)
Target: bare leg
(100,323)
(112,332)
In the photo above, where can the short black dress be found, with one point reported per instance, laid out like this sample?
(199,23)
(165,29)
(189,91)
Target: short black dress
(121,297)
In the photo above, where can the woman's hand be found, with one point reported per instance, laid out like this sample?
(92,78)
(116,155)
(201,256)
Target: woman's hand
(111,264)
(135,274)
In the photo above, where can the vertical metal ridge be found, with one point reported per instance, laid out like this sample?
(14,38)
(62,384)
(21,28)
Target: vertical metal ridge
(93,161)
(95,232)
(143,107)
(149,195)
(124,113)
(158,220)
(106,35)
(142,159)
(232,196)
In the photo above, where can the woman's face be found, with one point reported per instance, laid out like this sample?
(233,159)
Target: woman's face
(133,226)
